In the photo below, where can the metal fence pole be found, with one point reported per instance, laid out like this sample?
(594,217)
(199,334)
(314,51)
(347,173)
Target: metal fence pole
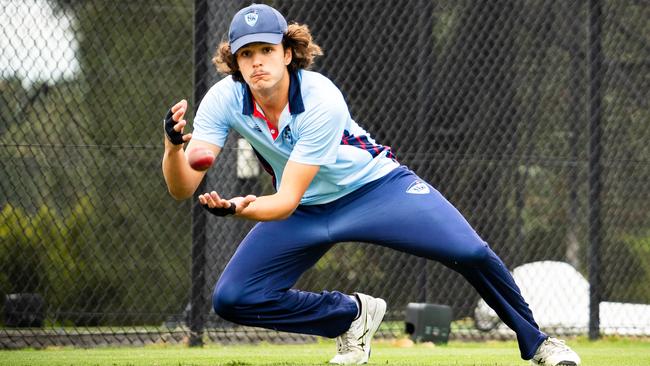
(199,233)
(576,120)
(595,167)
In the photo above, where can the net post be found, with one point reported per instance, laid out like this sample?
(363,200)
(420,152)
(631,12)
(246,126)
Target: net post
(595,166)
(199,219)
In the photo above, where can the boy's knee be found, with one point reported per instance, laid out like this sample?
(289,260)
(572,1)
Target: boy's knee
(225,299)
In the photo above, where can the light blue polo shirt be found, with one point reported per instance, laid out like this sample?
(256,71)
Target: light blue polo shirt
(315,128)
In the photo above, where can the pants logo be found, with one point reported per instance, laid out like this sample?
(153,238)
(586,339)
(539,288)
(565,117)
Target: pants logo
(418,187)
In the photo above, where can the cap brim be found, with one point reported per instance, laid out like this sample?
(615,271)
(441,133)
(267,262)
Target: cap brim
(273,38)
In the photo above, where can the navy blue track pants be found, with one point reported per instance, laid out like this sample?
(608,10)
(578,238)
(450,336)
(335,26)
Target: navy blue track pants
(255,288)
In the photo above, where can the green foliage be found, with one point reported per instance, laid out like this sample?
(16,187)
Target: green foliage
(88,222)
(136,61)
(628,261)
(82,276)
(44,252)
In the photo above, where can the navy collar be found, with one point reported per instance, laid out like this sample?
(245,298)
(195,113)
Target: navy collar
(296,106)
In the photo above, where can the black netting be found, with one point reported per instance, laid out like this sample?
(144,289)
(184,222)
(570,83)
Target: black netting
(532,117)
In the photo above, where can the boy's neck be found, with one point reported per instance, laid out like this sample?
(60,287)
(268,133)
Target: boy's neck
(274,101)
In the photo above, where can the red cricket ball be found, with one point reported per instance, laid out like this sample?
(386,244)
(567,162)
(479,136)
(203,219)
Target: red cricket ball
(200,158)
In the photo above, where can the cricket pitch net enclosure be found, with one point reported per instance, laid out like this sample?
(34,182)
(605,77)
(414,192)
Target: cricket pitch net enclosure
(532,117)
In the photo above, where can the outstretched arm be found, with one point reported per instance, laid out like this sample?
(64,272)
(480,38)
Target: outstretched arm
(295,181)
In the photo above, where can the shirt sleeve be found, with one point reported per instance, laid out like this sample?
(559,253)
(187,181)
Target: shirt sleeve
(320,133)
(211,121)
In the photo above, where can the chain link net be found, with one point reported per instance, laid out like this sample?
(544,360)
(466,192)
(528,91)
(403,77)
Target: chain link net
(526,116)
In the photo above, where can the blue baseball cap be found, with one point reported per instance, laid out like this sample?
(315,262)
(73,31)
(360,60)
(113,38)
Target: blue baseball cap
(256,23)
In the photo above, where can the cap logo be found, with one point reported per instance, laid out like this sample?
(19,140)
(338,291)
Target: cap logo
(251,18)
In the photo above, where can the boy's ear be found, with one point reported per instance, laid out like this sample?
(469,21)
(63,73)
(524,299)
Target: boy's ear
(288,56)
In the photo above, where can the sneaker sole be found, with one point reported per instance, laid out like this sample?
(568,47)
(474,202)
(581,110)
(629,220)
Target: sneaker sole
(377,317)
(563,363)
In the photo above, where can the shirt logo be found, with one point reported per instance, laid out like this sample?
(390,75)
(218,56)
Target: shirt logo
(251,18)
(288,137)
(418,187)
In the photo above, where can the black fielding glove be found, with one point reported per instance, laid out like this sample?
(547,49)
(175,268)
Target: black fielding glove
(221,211)
(173,136)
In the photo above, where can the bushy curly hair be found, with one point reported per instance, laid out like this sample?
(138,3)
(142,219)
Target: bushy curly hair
(297,37)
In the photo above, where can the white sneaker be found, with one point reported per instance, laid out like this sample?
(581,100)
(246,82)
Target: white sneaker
(353,346)
(553,352)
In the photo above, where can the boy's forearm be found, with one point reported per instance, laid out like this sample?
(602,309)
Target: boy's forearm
(269,208)
(177,172)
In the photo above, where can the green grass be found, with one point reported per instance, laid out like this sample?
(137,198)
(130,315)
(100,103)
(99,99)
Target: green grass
(601,353)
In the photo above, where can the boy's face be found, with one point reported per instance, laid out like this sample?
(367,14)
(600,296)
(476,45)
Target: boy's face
(263,65)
